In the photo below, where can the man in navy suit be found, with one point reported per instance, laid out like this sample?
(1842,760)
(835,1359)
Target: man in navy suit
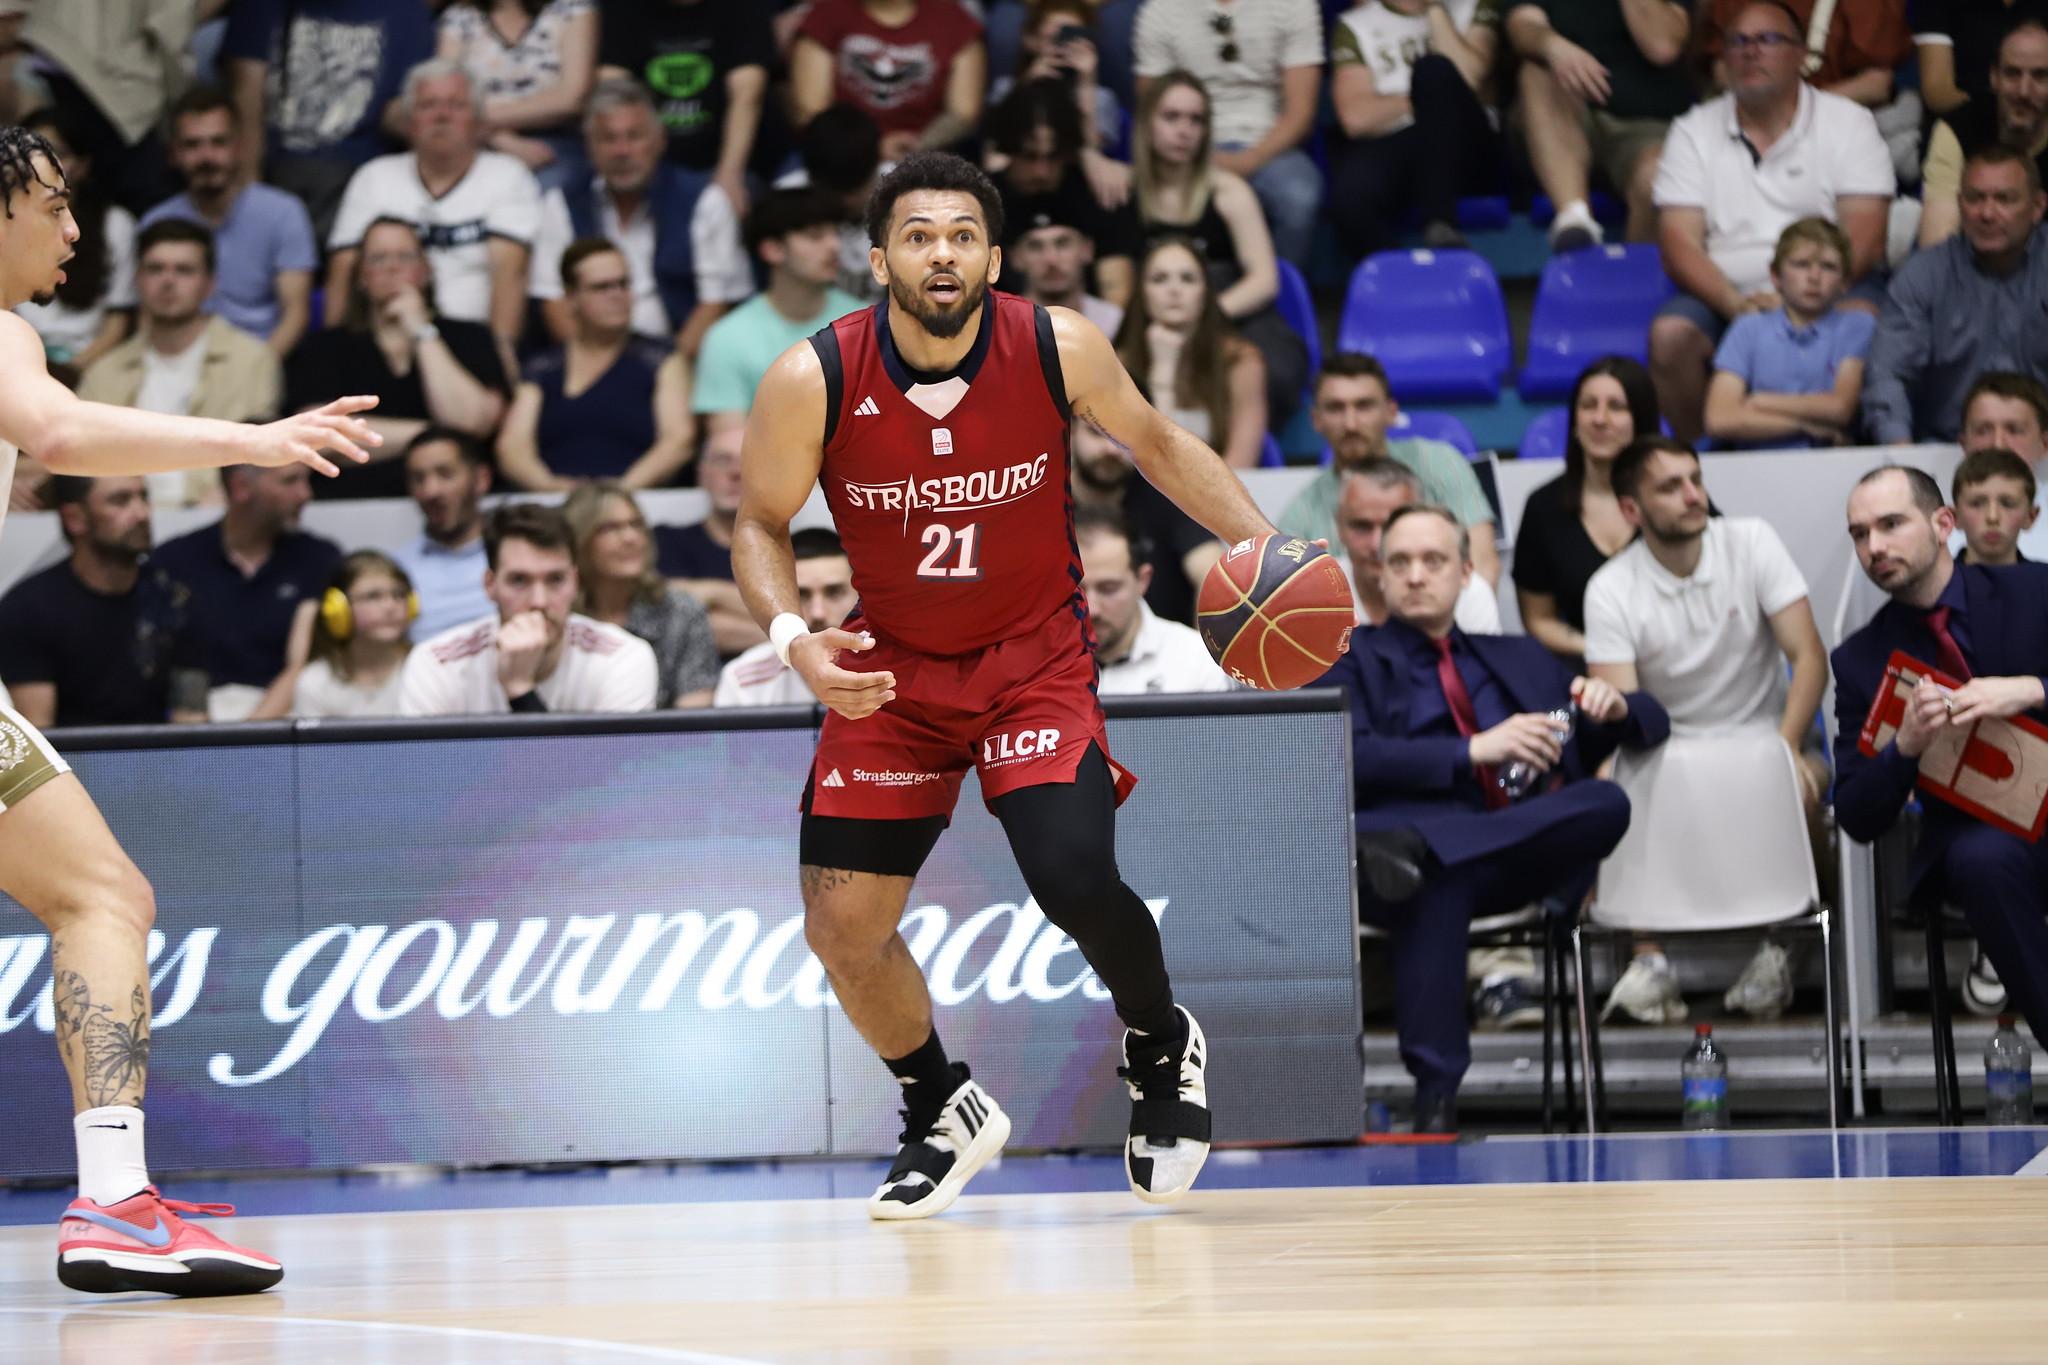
(1435,715)
(1986,625)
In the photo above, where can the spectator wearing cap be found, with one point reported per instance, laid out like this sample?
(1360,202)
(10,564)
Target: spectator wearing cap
(1135,651)
(795,234)
(1976,302)
(1055,257)
(1039,137)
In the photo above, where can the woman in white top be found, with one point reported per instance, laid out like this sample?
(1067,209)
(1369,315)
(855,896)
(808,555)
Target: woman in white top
(533,62)
(94,307)
(360,639)
(1188,360)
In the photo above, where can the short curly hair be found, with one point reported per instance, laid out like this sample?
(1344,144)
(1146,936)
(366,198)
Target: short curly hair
(933,171)
(18,149)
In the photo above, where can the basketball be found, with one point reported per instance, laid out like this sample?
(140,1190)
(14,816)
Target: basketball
(1275,612)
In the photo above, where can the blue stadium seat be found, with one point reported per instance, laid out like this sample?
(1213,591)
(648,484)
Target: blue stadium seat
(1436,426)
(1298,310)
(1484,212)
(1589,304)
(1545,436)
(1435,319)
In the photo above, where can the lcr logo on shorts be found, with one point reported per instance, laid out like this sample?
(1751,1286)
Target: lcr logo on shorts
(1000,750)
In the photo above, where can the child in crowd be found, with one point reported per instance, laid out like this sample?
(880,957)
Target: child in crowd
(1994,500)
(1793,376)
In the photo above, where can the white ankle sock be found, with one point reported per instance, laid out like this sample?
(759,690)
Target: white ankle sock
(110,1161)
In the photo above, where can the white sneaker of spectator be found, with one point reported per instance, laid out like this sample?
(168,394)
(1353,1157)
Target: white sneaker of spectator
(1765,987)
(1647,992)
(1983,992)
(1575,228)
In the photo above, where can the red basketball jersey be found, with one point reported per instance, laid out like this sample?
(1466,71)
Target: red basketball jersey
(950,491)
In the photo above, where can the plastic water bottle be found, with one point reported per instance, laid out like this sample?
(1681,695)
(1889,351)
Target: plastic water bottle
(2008,1077)
(1517,777)
(1705,1070)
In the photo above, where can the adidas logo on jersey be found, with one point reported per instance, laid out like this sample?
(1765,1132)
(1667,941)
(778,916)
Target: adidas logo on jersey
(867,408)
(833,779)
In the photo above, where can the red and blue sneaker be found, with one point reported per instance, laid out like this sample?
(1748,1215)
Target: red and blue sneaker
(142,1244)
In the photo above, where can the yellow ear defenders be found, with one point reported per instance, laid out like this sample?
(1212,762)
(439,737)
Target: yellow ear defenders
(340,619)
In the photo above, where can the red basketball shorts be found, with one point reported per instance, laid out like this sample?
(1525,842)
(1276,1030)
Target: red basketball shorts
(1021,713)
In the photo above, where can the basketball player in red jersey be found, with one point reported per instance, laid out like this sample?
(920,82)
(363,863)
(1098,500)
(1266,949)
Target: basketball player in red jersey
(937,422)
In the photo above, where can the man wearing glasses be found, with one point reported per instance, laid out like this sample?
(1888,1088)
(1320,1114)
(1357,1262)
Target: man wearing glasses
(1737,171)
(1262,63)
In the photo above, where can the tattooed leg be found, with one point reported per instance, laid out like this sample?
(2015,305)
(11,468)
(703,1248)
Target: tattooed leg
(105,1046)
(850,921)
(59,859)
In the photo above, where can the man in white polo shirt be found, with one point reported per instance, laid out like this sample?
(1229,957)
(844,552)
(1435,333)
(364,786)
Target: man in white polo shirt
(825,596)
(1135,650)
(534,655)
(1736,172)
(477,210)
(1702,613)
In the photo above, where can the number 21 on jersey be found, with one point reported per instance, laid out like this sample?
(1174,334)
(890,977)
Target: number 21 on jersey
(950,555)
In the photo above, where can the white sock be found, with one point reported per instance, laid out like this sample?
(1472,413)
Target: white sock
(110,1162)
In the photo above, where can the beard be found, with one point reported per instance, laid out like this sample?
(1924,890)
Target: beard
(942,322)
(43,298)
(1103,473)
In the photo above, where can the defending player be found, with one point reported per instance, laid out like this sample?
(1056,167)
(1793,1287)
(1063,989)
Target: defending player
(57,856)
(937,423)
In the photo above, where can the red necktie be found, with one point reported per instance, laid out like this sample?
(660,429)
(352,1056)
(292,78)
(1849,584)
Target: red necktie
(1462,715)
(1948,655)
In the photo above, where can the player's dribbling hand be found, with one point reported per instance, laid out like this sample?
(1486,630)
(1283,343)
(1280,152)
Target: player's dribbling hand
(851,694)
(302,438)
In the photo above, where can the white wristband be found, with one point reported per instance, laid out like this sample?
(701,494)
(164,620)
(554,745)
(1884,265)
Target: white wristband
(786,629)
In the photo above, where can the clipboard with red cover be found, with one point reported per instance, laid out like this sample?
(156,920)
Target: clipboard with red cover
(1996,770)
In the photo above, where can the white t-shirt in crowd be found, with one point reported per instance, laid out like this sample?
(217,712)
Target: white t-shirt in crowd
(320,693)
(1702,645)
(1266,38)
(169,381)
(758,678)
(1833,149)
(66,330)
(1166,656)
(718,255)
(602,668)
(498,198)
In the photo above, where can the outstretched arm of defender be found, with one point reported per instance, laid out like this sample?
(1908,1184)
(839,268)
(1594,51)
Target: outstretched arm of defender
(72,436)
(779,461)
(1171,459)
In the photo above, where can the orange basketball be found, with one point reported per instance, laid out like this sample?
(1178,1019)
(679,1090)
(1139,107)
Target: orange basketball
(1275,611)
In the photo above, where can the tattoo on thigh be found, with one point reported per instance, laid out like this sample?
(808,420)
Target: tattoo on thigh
(818,880)
(114,1052)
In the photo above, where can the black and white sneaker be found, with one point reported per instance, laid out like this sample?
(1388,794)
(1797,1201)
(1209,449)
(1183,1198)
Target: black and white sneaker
(1169,1138)
(937,1160)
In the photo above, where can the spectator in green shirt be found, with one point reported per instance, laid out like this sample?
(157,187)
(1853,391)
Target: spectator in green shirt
(1352,411)
(795,233)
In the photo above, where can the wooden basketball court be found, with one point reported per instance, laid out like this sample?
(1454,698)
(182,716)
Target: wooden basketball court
(1912,1269)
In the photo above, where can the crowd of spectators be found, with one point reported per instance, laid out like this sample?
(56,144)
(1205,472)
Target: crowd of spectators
(562,241)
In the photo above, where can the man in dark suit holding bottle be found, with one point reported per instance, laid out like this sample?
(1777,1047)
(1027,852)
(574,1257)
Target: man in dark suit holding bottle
(1436,717)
